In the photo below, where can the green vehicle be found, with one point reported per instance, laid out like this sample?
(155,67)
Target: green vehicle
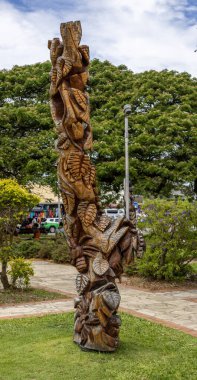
(50,224)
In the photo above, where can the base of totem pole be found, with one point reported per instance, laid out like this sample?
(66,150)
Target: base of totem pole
(96,323)
(98,344)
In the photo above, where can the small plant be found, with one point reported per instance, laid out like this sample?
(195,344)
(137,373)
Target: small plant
(20,272)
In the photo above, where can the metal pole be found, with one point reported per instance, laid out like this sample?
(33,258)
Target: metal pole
(59,208)
(126,167)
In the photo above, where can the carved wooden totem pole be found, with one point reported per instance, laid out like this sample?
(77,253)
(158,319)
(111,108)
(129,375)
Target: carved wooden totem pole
(97,244)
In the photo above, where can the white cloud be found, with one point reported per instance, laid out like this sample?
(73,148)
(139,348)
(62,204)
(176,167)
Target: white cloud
(143,34)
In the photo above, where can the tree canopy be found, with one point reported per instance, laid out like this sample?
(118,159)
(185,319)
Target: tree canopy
(162,126)
(27,136)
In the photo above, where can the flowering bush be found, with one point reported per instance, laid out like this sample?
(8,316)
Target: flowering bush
(171,239)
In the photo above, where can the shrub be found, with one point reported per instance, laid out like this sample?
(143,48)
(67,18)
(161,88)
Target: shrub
(52,249)
(172,243)
(20,272)
(132,269)
(27,248)
(60,253)
(46,249)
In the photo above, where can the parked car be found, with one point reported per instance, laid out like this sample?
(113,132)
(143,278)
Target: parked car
(50,224)
(114,213)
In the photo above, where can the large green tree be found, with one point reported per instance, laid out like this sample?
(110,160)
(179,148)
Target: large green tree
(27,136)
(162,126)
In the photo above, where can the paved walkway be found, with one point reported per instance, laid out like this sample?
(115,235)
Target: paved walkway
(37,308)
(177,309)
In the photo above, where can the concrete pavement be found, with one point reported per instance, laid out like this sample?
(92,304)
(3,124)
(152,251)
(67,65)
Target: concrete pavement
(177,309)
(36,309)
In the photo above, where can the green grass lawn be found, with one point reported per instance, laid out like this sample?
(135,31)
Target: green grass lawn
(28,295)
(42,349)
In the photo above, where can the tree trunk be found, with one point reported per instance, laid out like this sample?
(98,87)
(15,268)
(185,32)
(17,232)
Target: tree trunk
(4,277)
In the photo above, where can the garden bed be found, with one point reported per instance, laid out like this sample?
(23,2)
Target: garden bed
(12,297)
(146,284)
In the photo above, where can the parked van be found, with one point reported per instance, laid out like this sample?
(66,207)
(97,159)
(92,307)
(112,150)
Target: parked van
(114,213)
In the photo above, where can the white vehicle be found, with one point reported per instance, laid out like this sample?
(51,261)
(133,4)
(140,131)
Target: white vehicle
(114,213)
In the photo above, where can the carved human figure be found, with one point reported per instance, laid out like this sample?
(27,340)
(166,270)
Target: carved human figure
(97,244)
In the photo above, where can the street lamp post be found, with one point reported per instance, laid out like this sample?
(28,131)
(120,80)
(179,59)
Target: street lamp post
(127,111)
(59,207)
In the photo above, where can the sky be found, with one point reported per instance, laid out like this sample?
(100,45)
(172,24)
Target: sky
(142,34)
